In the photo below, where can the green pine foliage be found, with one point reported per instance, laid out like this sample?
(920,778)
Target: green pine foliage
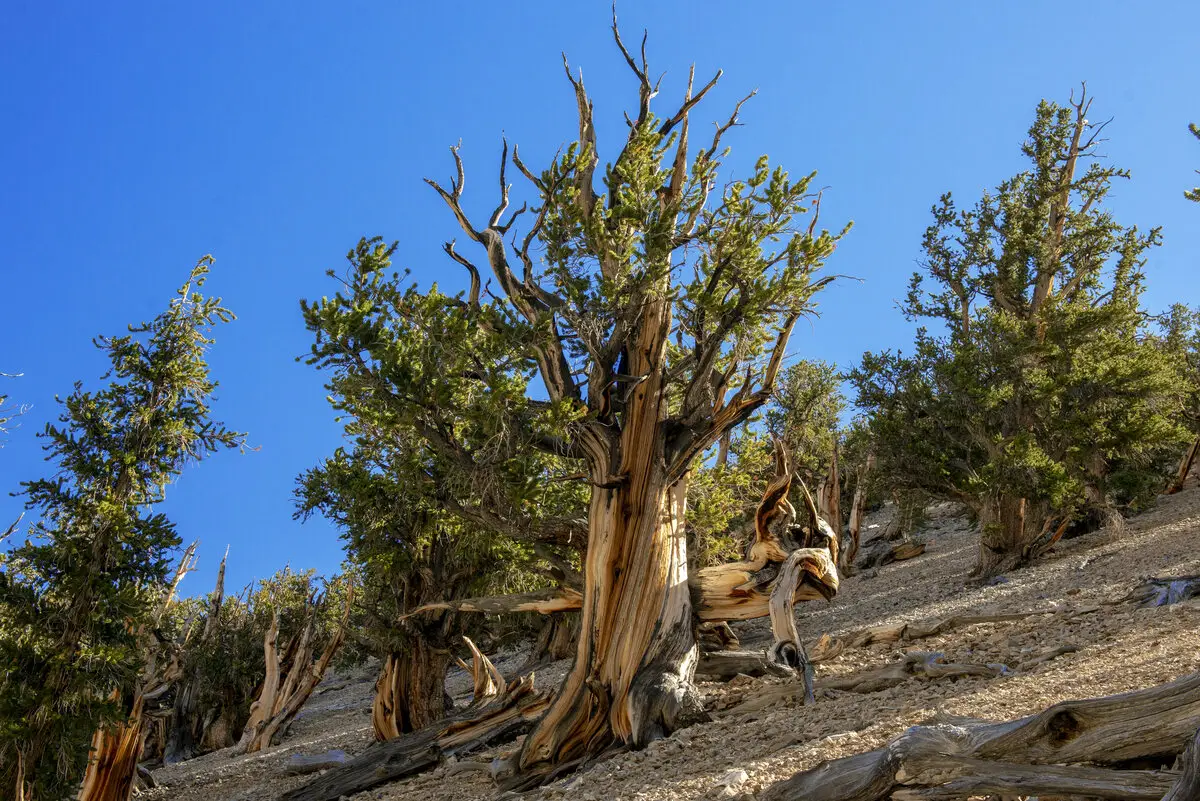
(805,414)
(1033,391)
(406,547)
(77,595)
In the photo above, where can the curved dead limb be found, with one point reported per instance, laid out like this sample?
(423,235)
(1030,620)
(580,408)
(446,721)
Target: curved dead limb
(500,720)
(544,602)
(1035,755)
(1185,468)
(487,681)
(785,564)
(290,679)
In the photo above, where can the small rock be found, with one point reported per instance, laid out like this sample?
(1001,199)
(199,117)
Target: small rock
(730,785)
(995,581)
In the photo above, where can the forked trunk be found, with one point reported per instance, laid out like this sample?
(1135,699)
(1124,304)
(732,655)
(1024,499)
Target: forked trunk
(411,691)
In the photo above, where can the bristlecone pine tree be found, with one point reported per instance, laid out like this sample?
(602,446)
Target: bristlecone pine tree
(655,302)
(78,597)
(386,495)
(1044,395)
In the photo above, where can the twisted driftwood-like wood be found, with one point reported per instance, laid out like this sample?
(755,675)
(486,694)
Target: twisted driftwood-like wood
(290,678)
(500,720)
(1055,752)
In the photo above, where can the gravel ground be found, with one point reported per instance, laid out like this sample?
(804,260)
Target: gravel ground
(1120,648)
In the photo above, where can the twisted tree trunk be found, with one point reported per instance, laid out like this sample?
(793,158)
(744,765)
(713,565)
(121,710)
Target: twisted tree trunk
(410,693)
(112,769)
(290,679)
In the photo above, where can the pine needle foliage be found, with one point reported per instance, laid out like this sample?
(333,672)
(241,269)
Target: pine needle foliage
(77,596)
(1035,394)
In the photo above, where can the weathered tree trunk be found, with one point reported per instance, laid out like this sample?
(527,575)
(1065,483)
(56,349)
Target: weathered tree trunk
(185,726)
(1013,532)
(290,680)
(112,768)
(829,494)
(555,641)
(411,690)
(631,681)
(858,511)
(1034,756)
(1185,468)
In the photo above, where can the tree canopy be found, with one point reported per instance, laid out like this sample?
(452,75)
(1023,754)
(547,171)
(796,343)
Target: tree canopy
(77,595)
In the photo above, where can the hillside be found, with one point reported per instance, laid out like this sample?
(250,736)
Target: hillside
(759,725)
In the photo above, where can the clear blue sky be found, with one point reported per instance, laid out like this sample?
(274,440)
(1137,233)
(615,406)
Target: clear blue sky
(139,136)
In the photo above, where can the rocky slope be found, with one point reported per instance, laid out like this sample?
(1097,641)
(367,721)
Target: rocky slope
(760,733)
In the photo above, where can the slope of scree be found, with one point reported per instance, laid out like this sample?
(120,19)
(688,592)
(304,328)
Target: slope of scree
(1117,648)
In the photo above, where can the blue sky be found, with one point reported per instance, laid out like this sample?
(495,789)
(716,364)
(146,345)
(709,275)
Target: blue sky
(140,136)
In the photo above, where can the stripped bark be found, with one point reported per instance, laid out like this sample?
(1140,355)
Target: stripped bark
(112,768)
(1185,468)
(829,494)
(290,679)
(971,757)
(410,692)
(858,510)
(487,683)
(186,729)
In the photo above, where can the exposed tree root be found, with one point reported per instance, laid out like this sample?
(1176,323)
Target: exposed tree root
(1040,755)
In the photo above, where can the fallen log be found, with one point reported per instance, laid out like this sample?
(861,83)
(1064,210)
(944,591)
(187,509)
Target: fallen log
(725,665)
(881,552)
(501,720)
(1164,591)
(915,665)
(944,761)
(928,627)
